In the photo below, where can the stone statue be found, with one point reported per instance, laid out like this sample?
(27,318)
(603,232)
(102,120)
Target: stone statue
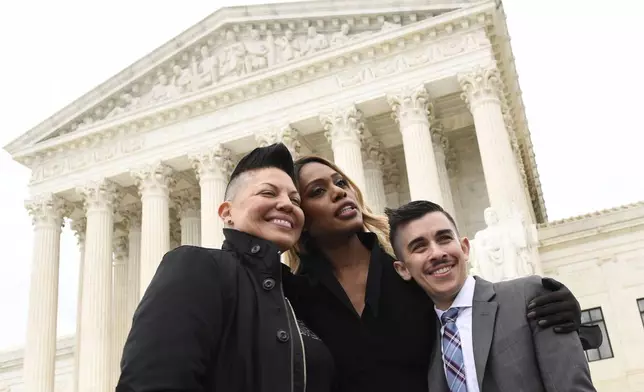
(161,91)
(341,37)
(291,48)
(207,69)
(495,254)
(126,102)
(181,78)
(232,61)
(314,41)
(257,52)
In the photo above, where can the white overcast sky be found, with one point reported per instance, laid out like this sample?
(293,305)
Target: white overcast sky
(579,65)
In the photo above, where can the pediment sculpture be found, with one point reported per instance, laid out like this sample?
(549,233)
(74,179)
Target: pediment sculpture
(232,55)
(505,249)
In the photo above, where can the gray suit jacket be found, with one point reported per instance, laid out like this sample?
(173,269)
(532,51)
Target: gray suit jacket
(512,354)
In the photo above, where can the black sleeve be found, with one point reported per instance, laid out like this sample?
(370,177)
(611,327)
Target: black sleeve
(175,327)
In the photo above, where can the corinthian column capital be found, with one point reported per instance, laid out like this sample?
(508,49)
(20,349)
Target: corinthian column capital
(480,84)
(342,125)
(287,135)
(46,209)
(216,162)
(120,249)
(102,194)
(410,104)
(79,227)
(155,178)
(132,217)
(373,153)
(187,202)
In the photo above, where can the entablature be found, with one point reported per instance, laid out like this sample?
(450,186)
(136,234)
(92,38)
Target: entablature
(236,43)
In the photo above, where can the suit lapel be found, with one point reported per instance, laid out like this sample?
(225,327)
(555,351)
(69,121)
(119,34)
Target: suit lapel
(437,381)
(483,319)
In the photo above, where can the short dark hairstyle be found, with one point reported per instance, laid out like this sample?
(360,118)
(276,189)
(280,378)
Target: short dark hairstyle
(409,212)
(274,156)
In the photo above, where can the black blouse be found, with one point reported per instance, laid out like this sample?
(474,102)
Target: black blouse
(319,362)
(385,349)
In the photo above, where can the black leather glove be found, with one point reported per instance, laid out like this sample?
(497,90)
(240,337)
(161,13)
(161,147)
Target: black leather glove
(591,336)
(559,308)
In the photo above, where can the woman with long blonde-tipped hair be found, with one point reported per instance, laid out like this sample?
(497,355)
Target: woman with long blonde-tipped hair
(379,328)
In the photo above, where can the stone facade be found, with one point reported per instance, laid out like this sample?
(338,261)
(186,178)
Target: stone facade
(420,102)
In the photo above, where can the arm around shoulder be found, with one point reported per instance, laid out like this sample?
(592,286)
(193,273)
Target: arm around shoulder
(176,325)
(562,363)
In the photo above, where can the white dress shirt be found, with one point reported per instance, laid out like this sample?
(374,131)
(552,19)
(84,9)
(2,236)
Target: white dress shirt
(464,324)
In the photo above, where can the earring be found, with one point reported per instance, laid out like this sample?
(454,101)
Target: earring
(229,222)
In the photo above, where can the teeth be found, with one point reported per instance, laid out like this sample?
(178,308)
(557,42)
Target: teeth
(282,222)
(345,209)
(443,270)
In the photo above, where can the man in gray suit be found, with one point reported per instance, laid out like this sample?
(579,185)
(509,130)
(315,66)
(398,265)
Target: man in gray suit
(487,342)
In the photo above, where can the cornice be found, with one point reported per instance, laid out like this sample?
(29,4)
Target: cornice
(373,48)
(264,17)
(500,38)
(628,217)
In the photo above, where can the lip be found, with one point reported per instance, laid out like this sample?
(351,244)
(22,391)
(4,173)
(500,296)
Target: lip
(282,217)
(431,270)
(344,205)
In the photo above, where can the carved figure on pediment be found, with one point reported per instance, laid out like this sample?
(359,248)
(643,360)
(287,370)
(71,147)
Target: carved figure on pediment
(341,37)
(257,52)
(161,91)
(126,102)
(87,121)
(291,48)
(314,41)
(232,62)
(182,78)
(207,69)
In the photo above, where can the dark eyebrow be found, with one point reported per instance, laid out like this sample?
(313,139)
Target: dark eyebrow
(291,192)
(445,231)
(415,241)
(334,176)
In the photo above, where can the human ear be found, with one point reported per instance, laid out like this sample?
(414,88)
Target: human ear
(465,246)
(402,270)
(225,213)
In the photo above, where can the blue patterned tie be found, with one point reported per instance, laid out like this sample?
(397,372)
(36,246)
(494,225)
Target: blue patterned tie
(452,353)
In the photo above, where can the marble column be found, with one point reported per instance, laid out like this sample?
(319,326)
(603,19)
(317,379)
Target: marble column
(79,226)
(120,325)
(441,148)
(213,168)
(100,199)
(483,93)
(410,107)
(287,135)
(391,181)
(132,221)
(188,203)
(373,159)
(343,129)
(154,183)
(47,212)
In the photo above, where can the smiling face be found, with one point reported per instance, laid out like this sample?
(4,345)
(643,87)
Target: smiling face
(433,256)
(266,205)
(329,202)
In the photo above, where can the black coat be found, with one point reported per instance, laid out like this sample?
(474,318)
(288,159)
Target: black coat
(215,320)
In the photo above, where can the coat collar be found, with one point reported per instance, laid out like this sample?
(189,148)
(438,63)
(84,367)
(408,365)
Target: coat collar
(483,319)
(255,253)
(317,267)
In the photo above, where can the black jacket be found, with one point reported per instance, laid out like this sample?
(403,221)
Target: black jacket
(215,320)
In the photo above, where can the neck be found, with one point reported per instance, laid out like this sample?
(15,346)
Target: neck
(346,253)
(443,303)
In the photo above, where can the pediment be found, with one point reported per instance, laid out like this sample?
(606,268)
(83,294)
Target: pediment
(230,45)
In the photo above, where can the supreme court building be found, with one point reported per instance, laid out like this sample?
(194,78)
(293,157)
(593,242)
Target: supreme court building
(414,99)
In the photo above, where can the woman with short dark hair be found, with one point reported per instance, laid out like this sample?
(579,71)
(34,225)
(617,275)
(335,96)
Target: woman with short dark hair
(218,320)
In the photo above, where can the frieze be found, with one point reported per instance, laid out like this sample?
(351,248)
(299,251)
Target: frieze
(80,158)
(236,52)
(330,62)
(439,51)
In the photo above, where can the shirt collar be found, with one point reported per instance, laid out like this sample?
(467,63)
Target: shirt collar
(463,299)
(257,253)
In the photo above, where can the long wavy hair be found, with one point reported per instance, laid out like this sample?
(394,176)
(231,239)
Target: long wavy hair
(373,223)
